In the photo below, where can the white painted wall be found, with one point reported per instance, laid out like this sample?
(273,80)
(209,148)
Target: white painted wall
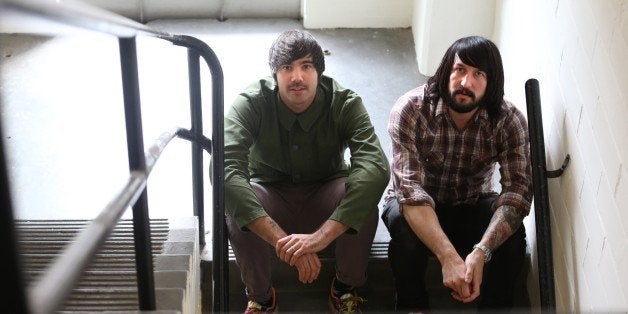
(356,13)
(577,50)
(438,23)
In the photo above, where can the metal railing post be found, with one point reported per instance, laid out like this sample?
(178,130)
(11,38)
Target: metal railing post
(137,162)
(541,200)
(196,118)
(220,264)
(220,245)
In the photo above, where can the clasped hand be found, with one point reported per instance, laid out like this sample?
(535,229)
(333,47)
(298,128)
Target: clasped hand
(464,278)
(299,250)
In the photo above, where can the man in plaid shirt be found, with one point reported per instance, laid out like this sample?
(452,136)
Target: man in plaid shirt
(447,137)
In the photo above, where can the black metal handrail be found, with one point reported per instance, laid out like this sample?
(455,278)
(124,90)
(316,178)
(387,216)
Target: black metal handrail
(541,196)
(53,287)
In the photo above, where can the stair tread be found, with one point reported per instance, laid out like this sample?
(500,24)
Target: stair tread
(109,282)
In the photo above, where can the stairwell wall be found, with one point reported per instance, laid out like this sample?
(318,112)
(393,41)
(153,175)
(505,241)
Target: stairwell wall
(577,50)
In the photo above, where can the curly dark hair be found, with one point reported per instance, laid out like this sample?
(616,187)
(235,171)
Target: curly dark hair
(477,52)
(292,45)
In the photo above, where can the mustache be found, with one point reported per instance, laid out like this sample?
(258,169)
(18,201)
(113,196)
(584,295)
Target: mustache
(463,91)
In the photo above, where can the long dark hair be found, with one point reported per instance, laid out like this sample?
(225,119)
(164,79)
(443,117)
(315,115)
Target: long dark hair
(292,45)
(477,52)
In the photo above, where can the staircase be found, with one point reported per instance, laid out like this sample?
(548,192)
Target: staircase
(109,282)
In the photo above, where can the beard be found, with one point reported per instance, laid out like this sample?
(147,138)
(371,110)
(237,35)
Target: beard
(459,107)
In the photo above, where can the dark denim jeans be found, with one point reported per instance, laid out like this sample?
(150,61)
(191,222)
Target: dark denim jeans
(464,225)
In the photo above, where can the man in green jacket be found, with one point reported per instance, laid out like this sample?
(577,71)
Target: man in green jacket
(287,183)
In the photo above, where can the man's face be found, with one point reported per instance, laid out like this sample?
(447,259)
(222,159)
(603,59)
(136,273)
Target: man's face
(297,83)
(467,86)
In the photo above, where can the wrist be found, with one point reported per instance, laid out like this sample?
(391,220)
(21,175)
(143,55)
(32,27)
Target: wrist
(488,254)
(447,256)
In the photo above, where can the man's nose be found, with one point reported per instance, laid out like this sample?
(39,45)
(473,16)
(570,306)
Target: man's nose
(465,81)
(297,75)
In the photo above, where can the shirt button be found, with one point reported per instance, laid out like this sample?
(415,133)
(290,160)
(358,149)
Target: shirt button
(295,147)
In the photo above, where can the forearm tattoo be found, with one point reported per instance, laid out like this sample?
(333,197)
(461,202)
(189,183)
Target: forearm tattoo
(272,224)
(272,231)
(275,228)
(505,221)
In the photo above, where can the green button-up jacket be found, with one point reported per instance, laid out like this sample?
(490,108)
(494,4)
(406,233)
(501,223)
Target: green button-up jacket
(266,142)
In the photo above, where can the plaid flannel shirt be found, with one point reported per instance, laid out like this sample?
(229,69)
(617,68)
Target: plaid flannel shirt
(434,161)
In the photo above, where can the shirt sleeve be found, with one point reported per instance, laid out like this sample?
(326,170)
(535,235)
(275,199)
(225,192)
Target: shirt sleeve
(407,169)
(515,165)
(241,128)
(369,172)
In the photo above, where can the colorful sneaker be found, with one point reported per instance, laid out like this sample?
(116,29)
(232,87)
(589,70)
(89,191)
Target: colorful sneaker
(349,302)
(254,307)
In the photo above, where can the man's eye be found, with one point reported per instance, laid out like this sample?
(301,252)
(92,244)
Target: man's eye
(285,68)
(307,66)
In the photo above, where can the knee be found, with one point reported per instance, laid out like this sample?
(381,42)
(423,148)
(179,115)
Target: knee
(403,237)
(406,242)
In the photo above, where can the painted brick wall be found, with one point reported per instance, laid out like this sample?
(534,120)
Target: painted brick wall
(578,51)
